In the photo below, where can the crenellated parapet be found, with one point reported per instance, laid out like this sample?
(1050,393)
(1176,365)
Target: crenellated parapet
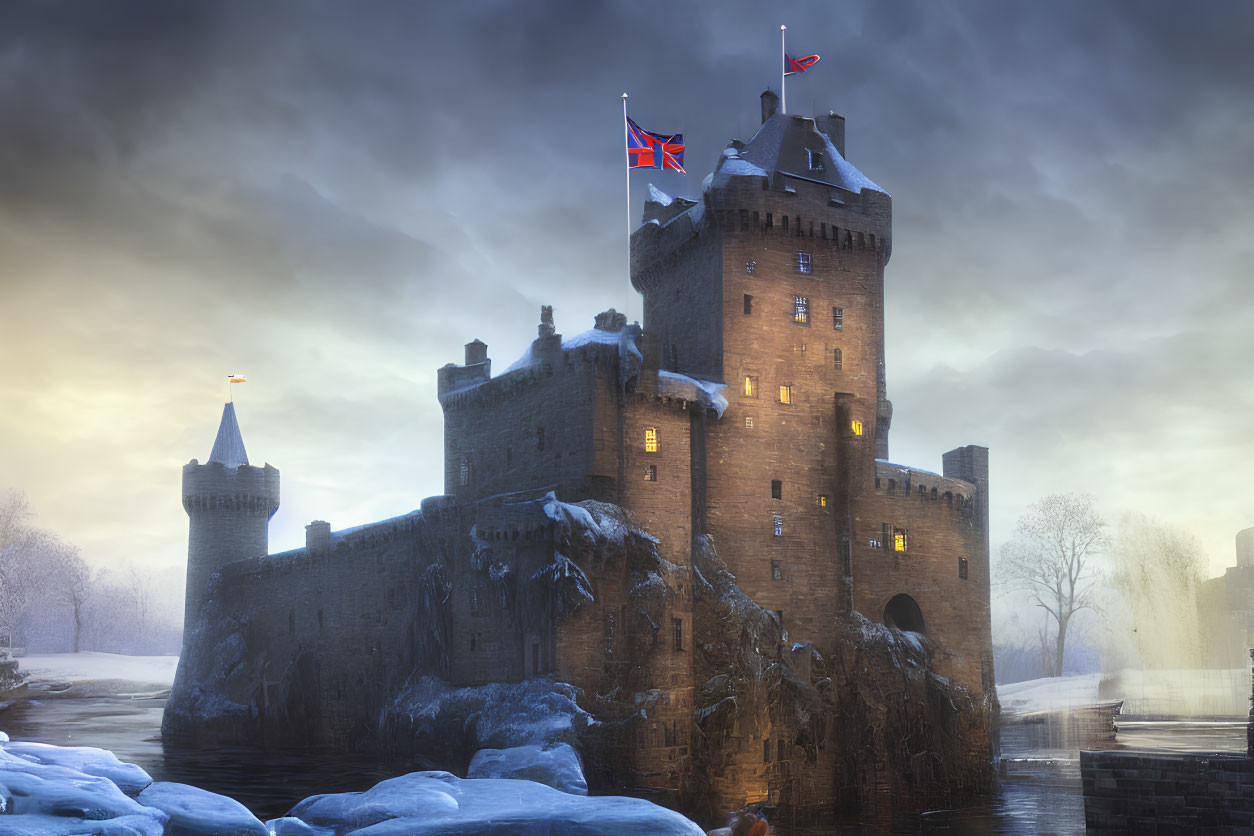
(246,489)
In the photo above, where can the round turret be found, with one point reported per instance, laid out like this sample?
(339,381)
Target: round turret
(229,503)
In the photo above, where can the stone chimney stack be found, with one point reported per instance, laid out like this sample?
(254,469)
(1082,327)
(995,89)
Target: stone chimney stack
(770,105)
(318,537)
(476,352)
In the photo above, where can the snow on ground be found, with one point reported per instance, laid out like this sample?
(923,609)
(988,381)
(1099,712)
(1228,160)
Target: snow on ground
(1058,693)
(125,673)
(49,798)
(556,766)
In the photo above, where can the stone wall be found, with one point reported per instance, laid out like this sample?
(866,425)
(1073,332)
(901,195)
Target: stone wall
(1139,792)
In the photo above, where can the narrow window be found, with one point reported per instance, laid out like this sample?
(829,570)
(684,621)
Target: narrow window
(650,475)
(777,489)
(464,478)
(748,304)
(785,394)
(805,263)
(801,310)
(856,427)
(816,159)
(770,222)
(838,319)
(822,500)
(766,750)
(785,224)
(892,487)
(777,571)
(751,386)
(609,633)
(650,439)
(748,422)
(838,359)
(677,627)
(823,230)
(962,568)
(779,749)
(779,526)
(899,539)
(887,533)
(750,266)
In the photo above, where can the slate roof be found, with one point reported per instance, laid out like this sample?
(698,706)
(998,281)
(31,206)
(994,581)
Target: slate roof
(228,447)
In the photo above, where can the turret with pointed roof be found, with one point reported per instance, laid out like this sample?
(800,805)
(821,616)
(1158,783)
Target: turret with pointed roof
(230,503)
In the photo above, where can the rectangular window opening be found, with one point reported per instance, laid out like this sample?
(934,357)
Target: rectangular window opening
(899,539)
(962,568)
(855,427)
(805,262)
(822,500)
(751,386)
(838,359)
(677,627)
(650,475)
(650,439)
(777,571)
(779,526)
(748,304)
(777,489)
(785,394)
(801,310)
(748,422)
(838,319)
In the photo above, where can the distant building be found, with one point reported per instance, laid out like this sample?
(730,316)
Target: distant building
(751,409)
(1226,609)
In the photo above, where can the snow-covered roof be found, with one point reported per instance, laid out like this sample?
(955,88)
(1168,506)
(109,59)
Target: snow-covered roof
(762,156)
(704,392)
(228,447)
(589,337)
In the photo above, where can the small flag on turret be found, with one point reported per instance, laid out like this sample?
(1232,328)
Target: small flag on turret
(232,378)
(646,149)
(792,66)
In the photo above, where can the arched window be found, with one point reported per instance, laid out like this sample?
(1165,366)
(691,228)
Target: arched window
(838,359)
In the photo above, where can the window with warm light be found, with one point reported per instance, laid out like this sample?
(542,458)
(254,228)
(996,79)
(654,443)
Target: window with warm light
(650,439)
(748,422)
(856,427)
(801,310)
(785,394)
(899,540)
(751,387)
(822,500)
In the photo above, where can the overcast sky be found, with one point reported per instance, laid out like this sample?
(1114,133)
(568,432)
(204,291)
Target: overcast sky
(332,199)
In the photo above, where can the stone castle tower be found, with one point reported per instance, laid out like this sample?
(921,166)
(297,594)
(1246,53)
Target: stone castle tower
(229,503)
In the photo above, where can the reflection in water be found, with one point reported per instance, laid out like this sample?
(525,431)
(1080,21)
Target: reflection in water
(1039,791)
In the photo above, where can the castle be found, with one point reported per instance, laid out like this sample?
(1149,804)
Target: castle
(749,417)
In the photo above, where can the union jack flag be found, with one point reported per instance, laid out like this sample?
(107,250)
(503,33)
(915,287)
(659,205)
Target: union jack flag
(646,149)
(793,66)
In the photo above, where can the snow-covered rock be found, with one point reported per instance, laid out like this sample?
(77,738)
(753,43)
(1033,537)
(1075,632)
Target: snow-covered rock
(423,803)
(101,763)
(29,788)
(556,766)
(197,812)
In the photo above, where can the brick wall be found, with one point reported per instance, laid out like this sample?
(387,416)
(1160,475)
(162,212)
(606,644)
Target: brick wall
(1138,792)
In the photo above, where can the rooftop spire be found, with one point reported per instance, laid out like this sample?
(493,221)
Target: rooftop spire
(228,447)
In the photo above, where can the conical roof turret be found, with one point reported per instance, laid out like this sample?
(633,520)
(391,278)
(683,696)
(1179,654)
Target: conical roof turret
(228,447)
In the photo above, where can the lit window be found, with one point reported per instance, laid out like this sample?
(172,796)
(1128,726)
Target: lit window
(748,422)
(838,359)
(650,439)
(816,159)
(838,319)
(822,500)
(777,489)
(750,266)
(785,394)
(751,387)
(779,526)
(777,571)
(805,263)
(801,310)
(962,568)
(856,427)
(899,540)
(650,474)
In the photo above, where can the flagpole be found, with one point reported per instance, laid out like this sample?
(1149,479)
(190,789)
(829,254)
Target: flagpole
(627,155)
(783,71)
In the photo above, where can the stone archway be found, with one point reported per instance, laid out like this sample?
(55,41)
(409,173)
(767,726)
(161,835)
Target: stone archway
(903,612)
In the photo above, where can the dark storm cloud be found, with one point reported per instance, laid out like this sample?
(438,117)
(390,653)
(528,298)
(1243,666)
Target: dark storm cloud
(339,195)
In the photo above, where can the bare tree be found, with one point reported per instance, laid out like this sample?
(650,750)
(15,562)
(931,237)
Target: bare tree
(1158,573)
(1050,558)
(69,581)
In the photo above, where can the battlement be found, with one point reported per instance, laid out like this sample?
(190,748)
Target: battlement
(214,486)
(912,483)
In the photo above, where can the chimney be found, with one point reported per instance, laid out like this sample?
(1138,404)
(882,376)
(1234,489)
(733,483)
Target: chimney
(770,104)
(833,124)
(476,352)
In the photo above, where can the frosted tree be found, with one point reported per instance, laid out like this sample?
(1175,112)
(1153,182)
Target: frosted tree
(1050,558)
(16,541)
(1158,574)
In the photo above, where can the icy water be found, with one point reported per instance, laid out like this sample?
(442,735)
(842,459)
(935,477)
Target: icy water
(1039,792)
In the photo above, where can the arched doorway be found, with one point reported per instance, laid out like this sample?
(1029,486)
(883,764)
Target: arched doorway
(903,612)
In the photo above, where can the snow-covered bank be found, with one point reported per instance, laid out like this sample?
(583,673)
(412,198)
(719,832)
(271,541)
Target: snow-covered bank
(1058,693)
(90,673)
(63,791)
(1159,693)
